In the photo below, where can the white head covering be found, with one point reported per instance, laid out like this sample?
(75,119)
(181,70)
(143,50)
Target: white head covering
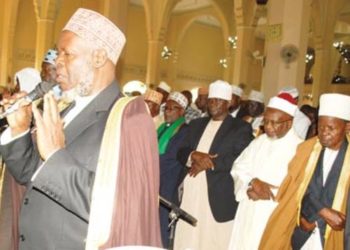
(51,56)
(237,90)
(256,96)
(28,78)
(98,30)
(335,105)
(290,90)
(220,89)
(283,105)
(179,98)
(164,86)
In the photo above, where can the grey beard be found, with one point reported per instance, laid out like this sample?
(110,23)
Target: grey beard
(84,87)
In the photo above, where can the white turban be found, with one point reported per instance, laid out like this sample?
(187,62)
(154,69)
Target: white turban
(98,30)
(282,104)
(28,78)
(335,105)
(256,96)
(221,90)
(237,90)
(179,98)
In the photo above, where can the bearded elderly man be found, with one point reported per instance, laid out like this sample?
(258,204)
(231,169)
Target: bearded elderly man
(210,150)
(59,168)
(260,169)
(171,134)
(312,199)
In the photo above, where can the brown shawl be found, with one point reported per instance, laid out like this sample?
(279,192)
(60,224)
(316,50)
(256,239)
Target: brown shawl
(285,218)
(124,209)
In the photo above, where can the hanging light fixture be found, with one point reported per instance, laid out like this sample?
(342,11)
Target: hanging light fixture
(223,62)
(233,41)
(166,53)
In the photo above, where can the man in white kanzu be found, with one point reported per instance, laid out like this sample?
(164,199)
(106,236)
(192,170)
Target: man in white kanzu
(260,169)
(212,145)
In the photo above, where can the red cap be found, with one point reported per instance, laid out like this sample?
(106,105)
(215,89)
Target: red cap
(288,98)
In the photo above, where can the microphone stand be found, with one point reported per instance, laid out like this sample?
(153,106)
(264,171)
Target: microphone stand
(175,214)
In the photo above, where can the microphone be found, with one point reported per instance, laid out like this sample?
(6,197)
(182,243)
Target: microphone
(39,91)
(178,211)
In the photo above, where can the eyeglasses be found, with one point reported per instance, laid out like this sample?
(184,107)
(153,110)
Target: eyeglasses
(274,123)
(171,108)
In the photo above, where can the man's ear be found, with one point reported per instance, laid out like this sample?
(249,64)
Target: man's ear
(347,127)
(99,57)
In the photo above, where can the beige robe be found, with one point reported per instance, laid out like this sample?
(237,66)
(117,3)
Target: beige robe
(208,234)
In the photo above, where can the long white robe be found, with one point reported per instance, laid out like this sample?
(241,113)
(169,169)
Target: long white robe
(208,234)
(266,159)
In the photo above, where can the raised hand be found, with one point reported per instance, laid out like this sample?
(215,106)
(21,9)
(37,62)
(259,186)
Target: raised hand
(50,135)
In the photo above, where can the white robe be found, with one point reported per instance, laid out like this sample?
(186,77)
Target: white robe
(267,160)
(208,234)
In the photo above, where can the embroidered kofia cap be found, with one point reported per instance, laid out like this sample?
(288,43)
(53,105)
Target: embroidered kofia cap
(164,86)
(256,96)
(237,90)
(179,98)
(335,105)
(98,30)
(153,96)
(221,90)
(51,56)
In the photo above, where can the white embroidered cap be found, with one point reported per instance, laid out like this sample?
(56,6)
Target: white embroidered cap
(237,90)
(283,104)
(179,98)
(51,56)
(98,30)
(290,90)
(220,89)
(256,96)
(335,105)
(153,96)
(164,86)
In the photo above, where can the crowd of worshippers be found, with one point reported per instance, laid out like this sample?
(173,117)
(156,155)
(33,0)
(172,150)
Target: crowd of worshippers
(255,177)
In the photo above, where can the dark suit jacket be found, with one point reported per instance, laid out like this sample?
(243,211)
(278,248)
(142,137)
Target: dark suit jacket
(56,206)
(318,196)
(232,138)
(170,174)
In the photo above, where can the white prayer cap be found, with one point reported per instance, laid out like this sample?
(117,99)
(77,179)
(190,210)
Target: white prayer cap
(28,78)
(256,96)
(290,90)
(283,102)
(220,89)
(51,56)
(98,30)
(179,98)
(237,90)
(153,96)
(164,86)
(335,105)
